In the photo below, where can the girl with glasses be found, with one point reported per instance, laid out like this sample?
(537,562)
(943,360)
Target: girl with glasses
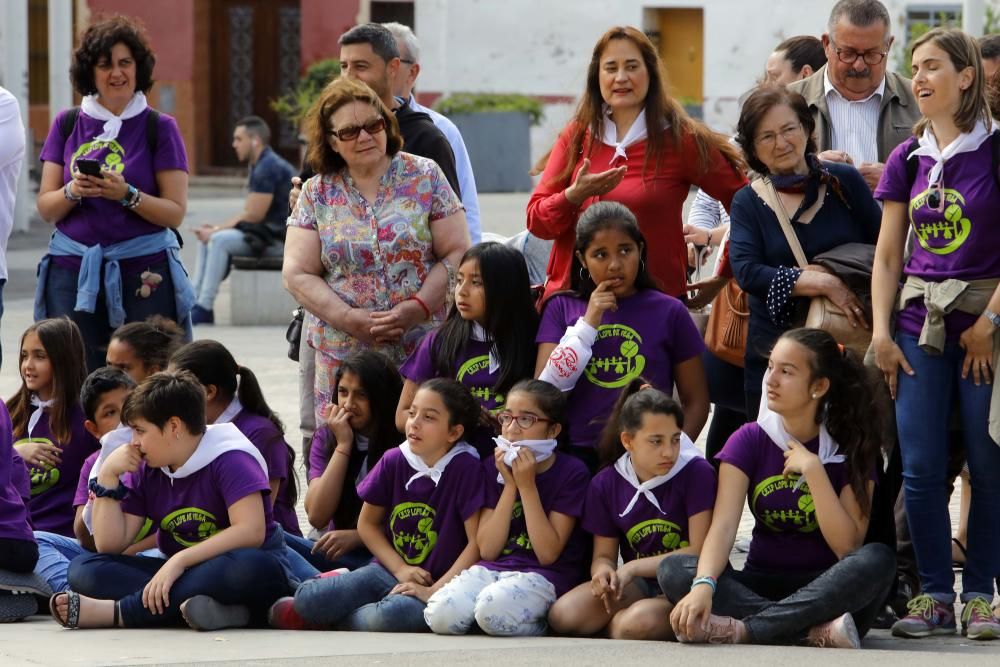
(529,538)
(488,340)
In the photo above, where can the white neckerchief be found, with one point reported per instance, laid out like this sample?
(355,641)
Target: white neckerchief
(218,439)
(636,133)
(964,143)
(234,408)
(623,466)
(110,441)
(112,123)
(433,472)
(542,449)
(774,427)
(36,416)
(479,334)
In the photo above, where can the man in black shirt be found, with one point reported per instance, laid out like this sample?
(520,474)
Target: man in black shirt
(369,53)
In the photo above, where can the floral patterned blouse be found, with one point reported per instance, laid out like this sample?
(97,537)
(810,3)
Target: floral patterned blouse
(375,255)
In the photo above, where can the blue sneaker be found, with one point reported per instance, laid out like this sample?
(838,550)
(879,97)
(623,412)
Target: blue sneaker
(201,315)
(926,617)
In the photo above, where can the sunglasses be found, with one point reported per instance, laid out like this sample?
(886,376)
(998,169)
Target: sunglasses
(351,132)
(523,421)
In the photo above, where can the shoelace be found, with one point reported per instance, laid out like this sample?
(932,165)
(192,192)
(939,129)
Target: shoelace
(976,606)
(922,605)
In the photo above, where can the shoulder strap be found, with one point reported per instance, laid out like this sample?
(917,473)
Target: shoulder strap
(68,122)
(152,130)
(765,190)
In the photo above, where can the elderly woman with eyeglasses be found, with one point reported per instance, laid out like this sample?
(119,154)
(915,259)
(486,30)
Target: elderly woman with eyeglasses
(374,237)
(828,204)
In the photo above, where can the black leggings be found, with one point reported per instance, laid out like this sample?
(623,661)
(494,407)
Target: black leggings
(18,555)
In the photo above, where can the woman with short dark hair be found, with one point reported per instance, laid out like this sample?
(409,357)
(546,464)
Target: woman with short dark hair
(114,182)
(828,205)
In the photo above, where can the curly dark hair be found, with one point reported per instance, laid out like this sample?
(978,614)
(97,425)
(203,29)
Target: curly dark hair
(96,44)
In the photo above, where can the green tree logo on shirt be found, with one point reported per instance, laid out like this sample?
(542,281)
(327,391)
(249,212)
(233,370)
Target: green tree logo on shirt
(189,526)
(42,478)
(790,509)
(413,534)
(655,537)
(949,231)
(114,159)
(623,364)
(485,395)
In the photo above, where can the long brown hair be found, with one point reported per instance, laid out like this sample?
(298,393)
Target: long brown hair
(659,107)
(64,346)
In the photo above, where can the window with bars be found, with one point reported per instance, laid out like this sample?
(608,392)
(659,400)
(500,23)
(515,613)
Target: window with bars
(921,18)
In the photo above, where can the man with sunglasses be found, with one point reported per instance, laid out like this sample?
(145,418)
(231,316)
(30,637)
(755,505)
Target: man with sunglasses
(862,111)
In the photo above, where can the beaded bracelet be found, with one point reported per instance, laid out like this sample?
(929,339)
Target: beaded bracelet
(710,581)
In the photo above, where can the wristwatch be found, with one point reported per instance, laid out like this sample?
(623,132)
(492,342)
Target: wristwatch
(992,317)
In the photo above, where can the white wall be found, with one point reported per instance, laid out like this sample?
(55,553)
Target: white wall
(542,47)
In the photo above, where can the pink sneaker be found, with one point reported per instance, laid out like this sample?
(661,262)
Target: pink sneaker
(838,633)
(720,630)
(332,573)
(282,616)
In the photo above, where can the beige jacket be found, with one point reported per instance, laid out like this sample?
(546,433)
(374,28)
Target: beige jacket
(897,116)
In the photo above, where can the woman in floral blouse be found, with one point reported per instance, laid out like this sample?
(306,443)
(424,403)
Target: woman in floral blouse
(374,236)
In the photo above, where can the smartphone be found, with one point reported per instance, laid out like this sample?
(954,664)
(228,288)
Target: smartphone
(89,167)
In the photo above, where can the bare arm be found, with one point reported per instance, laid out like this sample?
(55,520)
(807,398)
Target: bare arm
(548,532)
(692,388)
(405,401)
(52,203)
(732,493)
(886,270)
(840,518)
(494,526)
(254,209)
(324,492)
(449,240)
(544,352)
(83,535)
(370,523)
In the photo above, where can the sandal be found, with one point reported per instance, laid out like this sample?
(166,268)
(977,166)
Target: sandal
(72,620)
(958,564)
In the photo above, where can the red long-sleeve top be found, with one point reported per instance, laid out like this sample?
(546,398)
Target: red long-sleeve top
(655,195)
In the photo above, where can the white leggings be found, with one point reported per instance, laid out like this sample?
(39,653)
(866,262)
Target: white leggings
(502,603)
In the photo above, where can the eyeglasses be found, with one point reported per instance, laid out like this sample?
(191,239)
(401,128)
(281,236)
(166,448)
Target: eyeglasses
(523,421)
(770,139)
(848,56)
(351,132)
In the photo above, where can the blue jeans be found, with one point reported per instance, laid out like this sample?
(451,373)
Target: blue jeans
(302,546)
(924,404)
(54,554)
(360,600)
(301,568)
(213,262)
(60,299)
(251,577)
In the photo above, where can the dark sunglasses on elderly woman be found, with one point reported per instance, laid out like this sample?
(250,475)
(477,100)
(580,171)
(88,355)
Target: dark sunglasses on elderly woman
(351,132)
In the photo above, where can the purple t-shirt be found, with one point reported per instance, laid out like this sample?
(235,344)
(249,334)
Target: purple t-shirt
(192,509)
(648,334)
(562,488)
(645,531)
(786,535)
(14,519)
(83,485)
(95,220)
(472,370)
(960,241)
(426,523)
(266,437)
(52,491)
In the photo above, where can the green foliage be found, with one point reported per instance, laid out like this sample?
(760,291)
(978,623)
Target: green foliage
(483,102)
(991,24)
(293,105)
(905,56)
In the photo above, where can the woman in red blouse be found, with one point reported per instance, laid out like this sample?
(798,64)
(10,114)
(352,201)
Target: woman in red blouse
(647,154)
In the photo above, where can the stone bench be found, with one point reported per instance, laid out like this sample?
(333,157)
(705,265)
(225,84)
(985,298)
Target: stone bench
(257,296)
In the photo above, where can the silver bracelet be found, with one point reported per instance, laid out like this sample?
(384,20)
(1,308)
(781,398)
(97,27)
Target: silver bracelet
(68,193)
(992,317)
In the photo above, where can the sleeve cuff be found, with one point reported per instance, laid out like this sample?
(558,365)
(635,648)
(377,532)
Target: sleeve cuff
(779,295)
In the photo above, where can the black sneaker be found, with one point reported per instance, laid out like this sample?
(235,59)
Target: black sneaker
(885,619)
(201,315)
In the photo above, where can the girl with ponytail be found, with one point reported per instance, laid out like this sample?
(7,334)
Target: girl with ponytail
(806,468)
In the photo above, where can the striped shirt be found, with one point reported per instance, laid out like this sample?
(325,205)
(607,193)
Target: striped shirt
(854,125)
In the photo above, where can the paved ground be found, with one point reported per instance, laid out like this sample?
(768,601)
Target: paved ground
(41,642)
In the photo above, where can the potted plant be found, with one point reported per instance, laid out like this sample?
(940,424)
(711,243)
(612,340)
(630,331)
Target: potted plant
(496,128)
(293,105)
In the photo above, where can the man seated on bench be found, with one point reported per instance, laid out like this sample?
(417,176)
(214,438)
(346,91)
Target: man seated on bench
(257,231)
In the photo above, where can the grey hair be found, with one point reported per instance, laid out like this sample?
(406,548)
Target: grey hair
(861,13)
(381,40)
(409,47)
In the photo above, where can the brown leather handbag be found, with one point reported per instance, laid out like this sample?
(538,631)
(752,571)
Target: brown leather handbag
(726,333)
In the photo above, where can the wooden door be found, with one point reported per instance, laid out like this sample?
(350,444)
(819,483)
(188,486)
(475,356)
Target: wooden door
(255,58)
(682,50)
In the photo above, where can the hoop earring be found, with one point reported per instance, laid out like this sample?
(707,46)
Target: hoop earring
(642,266)
(582,276)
